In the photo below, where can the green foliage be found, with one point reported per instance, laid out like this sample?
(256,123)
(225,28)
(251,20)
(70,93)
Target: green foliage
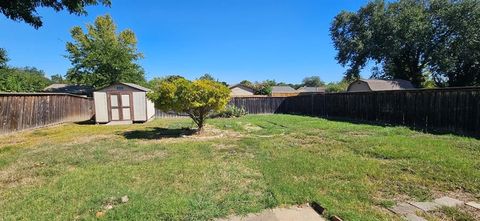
(262,89)
(456,59)
(211,78)
(57,79)
(408,37)
(22,80)
(334,87)
(26,10)
(313,81)
(230,111)
(246,83)
(207,76)
(101,57)
(198,99)
(3,58)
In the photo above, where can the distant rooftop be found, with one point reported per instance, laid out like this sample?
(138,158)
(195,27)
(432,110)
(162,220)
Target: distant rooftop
(69,88)
(383,85)
(311,89)
(283,89)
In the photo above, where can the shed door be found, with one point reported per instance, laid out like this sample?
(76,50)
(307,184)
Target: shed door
(120,107)
(114,105)
(126,107)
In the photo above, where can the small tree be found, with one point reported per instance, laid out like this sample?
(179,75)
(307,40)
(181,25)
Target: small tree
(198,99)
(313,81)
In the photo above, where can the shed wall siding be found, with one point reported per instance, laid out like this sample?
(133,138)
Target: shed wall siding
(139,106)
(101,107)
(150,109)
(358,86)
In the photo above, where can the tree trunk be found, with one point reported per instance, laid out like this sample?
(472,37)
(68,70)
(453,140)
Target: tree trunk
(200,124)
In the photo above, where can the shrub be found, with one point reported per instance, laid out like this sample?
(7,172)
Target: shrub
(230,111)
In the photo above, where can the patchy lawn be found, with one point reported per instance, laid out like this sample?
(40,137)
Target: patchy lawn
(238,166)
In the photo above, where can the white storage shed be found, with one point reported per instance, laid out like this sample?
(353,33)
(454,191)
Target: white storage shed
(123,102)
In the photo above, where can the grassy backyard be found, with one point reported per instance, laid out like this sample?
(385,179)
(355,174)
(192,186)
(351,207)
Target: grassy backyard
(70,172)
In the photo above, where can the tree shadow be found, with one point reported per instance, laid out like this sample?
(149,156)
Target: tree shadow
(157,133)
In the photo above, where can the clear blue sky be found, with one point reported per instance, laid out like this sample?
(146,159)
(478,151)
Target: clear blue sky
(233,40)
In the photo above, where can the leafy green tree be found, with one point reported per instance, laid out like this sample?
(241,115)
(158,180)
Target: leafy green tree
(26,79)
(207,76)
(407,38)
(26,10)
(340,86)
(394,35)
(313,81)
(246,83)
(198,99)
(101,57)
(456,60)
(211,78)
(3,58)
(57,79)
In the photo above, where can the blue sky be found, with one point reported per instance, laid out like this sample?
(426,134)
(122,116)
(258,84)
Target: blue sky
(233,40)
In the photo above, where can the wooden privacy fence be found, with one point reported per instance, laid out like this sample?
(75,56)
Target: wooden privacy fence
(450,109)
(19,111)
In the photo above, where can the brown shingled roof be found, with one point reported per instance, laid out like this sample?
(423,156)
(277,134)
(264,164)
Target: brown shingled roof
(385,85)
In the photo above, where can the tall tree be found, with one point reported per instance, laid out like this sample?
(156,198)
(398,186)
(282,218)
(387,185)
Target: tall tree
(408,38)
(3,58)
(457,58)
(313,81)
(101,56)
(57,79)
(26,10)
(207,76)
(394,35)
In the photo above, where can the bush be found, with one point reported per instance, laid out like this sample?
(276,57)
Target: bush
(230,111)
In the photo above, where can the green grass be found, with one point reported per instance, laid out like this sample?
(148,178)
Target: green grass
(239,166)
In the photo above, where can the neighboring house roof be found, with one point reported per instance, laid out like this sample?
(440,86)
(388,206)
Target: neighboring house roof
(68,88)
(283,89)
(385,85)
(311,89)
(240,85)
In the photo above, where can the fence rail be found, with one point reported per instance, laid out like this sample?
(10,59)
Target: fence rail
(19,111)
(451,109)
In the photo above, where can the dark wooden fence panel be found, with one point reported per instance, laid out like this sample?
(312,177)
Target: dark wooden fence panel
(19,111)
(451,109)
(161,114)
(260,105)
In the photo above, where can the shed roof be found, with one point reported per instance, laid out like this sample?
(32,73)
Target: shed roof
(132,85)
(282,89)
(385,85)
(311,89)
(136,86)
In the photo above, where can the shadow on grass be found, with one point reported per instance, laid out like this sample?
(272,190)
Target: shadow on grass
(429,130)
(158,133)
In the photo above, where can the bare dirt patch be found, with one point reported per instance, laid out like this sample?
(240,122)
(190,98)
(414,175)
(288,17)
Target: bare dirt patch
(209,133)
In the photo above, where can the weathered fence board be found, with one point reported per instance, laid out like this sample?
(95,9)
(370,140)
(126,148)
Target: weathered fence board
(450,109)
(19,111)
